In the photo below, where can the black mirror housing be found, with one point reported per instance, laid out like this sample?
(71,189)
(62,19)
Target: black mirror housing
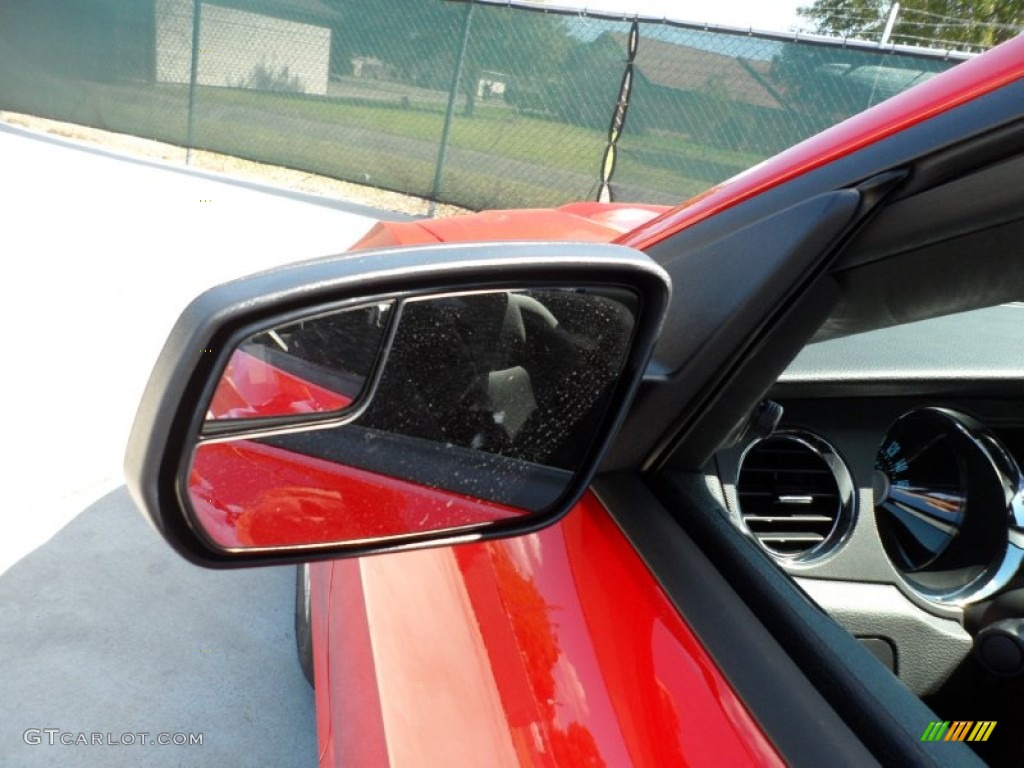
(387,400)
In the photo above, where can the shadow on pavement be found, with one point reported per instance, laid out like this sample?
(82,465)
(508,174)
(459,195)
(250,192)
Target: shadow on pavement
(105,630)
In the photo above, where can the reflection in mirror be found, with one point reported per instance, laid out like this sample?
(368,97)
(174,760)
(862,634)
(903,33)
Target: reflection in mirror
(317,364)
(485,407)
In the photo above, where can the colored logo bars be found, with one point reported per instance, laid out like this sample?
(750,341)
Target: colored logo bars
(959,730)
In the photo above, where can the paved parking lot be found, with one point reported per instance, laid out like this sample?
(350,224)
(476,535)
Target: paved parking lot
(102,628)
(105,631)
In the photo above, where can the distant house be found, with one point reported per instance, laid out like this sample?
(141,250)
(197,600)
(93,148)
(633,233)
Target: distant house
(491,85)
(763,104)
(284,45)
(681,68)
(714,97)
(371,68)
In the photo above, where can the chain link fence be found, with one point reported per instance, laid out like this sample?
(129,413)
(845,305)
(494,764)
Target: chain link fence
(471,103)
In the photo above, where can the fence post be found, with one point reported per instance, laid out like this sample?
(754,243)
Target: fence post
(449,115)
(197,13)
(887,32)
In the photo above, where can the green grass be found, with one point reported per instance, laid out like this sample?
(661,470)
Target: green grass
(495,129)
(567,157)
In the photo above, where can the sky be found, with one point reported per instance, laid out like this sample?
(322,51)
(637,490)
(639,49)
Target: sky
(763,15)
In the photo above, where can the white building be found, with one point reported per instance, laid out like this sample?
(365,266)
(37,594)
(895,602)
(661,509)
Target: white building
(242,49)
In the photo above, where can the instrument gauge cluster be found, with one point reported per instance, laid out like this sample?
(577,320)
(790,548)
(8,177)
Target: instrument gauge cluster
(923,497)
(948,506)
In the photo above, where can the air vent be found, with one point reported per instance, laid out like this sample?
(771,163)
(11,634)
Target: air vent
(795,495)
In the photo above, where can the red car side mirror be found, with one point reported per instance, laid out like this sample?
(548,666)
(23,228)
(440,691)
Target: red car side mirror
(387,400)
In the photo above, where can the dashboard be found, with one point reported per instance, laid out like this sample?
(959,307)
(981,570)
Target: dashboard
(892,492)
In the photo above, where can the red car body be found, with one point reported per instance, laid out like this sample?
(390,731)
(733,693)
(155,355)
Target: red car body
(560,647)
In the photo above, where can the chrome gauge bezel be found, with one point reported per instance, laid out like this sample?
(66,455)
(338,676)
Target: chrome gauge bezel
(1001,568)
(846,515)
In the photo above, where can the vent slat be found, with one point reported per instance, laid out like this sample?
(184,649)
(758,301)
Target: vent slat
(785,496)
(810,538)
(788,495)
(797,519)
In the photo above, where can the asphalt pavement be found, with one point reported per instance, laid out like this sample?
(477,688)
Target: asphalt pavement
(105,633)
(111,644)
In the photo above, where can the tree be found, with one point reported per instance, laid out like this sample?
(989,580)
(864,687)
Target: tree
(419,41)
(514,43)
(967,24)
(409,36)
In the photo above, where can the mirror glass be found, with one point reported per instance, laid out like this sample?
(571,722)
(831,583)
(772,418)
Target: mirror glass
(485,406)
(317,364)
